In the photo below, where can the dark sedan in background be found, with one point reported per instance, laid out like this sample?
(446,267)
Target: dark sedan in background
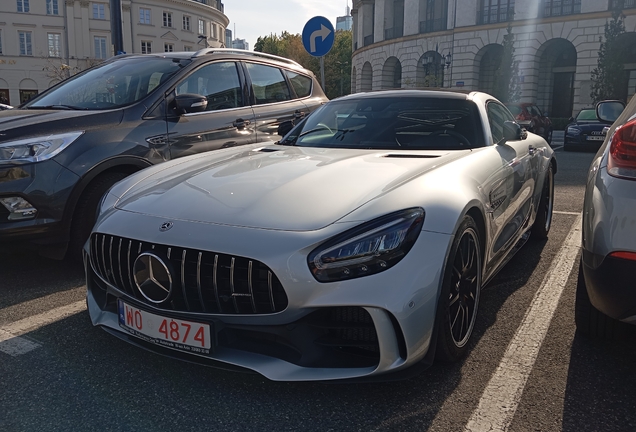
(585,132)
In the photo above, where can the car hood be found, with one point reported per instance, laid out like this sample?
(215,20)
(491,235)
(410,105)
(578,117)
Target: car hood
(274,187)
(23,123)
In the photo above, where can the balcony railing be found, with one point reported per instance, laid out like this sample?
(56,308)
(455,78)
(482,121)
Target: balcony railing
(392,33)
(433,25)
(368,40)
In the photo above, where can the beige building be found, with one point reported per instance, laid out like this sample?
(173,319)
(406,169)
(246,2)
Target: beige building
(457,43)
(41,39)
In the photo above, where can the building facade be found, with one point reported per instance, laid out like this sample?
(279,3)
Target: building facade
(42,41)
(240,44)
(458,44)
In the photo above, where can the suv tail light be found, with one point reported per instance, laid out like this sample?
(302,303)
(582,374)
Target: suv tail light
(621,161)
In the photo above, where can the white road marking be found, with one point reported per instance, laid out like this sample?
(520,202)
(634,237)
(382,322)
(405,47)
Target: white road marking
(566,213)
(10,341)
(499,401)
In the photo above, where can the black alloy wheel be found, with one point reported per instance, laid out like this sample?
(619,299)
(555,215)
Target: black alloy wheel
(459,300)
(543,221)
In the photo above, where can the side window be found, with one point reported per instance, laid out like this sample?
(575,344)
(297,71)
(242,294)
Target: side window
(497,115)
(300,83)
(268,84)
(218,82)
(536,111)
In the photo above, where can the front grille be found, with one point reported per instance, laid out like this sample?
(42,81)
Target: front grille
(202,281)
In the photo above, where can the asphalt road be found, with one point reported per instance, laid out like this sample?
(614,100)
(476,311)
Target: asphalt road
(78,378)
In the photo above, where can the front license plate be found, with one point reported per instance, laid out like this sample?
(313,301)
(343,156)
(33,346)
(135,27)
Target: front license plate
(172,333)
(595,138)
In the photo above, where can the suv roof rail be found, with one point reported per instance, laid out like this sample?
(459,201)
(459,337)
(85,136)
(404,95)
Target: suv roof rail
(205,51)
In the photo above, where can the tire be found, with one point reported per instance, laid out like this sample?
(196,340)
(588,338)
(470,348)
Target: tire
(543,221)
(86,211)
(591,322)
(460,294)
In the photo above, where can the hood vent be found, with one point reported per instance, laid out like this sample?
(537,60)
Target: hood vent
(267,150)
(409,156)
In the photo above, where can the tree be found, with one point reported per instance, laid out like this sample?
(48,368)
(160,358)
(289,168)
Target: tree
(507,86)
(337,61)
(608,76)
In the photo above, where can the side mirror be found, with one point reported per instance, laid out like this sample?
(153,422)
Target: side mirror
(512,131)
(609,111)
(285,127)
(571,119)
(191,103)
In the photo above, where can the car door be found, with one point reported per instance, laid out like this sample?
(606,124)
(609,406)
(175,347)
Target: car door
(228,119)
(511,187)
(274,102)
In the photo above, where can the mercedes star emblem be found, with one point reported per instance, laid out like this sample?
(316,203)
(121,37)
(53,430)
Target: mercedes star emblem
(165,226)
(152,277)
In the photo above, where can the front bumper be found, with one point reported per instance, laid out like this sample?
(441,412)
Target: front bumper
(583,141)
(47,186)
(352,329)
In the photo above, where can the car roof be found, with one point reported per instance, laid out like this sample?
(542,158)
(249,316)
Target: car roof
(435,93)
(223,53)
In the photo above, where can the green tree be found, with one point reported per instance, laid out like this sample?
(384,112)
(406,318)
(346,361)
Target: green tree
(337,61)
(608,76)
(507,86)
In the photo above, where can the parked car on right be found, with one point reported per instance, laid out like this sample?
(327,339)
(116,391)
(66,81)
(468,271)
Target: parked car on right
(606,293)
(586,130)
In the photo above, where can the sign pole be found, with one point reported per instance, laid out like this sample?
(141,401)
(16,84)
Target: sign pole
(322,72)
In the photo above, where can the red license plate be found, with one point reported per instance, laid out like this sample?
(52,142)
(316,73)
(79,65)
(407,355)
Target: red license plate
(181,335)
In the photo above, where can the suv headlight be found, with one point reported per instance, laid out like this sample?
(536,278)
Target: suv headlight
(370,248)
(36,149)
(574,130)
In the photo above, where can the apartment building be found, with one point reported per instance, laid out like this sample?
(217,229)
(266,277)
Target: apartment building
(41,41)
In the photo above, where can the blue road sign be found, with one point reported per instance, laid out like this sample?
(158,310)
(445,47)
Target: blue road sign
(318,36)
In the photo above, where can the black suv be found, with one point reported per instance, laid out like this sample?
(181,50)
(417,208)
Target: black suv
(62,150)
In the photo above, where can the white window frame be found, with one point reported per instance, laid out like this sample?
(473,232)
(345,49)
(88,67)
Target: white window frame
(99,11)
(26,45)
(187,48)
(187,23)
(22,6)
(167,19)
(202,27)
(54,43)
(146,47)
(0,42)
(145,16)
(168,47)
(52,7)
(100,46)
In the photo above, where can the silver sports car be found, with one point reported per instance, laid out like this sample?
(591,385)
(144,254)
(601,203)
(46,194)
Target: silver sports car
(354,247)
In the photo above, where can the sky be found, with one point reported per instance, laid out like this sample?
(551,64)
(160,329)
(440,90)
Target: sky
(254,18)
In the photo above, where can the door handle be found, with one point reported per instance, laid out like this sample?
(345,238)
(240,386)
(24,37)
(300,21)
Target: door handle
(240,123)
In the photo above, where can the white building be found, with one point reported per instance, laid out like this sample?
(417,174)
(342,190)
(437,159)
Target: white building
(38,34)
(457,43)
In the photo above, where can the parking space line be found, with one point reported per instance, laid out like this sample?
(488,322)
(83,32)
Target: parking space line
(566,213)
(10,341)
(501,396)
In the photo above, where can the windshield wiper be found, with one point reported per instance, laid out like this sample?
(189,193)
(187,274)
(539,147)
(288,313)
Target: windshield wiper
(61,107)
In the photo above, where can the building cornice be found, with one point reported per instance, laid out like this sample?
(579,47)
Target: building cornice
(502,25)
(221,17)
(24,25)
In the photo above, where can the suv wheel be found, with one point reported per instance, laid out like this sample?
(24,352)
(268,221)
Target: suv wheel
(86,211)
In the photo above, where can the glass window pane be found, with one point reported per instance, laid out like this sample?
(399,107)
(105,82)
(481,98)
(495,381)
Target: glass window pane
(218,82)
(300,83)
(268,84)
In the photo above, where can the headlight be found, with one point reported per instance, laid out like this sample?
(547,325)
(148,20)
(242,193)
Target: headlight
(367,249)
(36,149)
(574,130)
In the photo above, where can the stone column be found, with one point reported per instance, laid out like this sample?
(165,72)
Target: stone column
(84,39)
(378,24)
(412,17)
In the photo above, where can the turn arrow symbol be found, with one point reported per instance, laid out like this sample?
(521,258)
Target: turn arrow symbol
(323,33)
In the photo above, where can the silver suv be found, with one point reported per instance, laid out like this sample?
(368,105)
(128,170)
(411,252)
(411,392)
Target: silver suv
(606,293)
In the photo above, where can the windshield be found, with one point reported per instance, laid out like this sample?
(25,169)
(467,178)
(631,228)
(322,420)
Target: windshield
(587,115)
(402,123)
(111,85)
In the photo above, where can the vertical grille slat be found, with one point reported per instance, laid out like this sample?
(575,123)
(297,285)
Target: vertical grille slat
(183,284)
(249,285)
(199,281)
(219,283)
